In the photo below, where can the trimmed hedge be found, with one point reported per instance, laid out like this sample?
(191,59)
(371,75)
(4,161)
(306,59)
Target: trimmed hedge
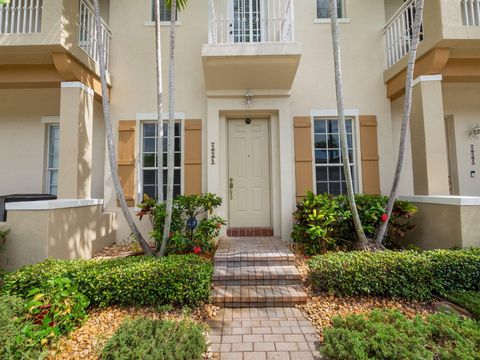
(149,339)
(177,280)
(388,334)
(403,274)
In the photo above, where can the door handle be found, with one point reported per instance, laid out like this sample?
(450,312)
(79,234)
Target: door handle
(231,188)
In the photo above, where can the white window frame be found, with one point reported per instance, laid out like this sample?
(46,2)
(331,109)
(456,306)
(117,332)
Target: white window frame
(151,18)
(333,115)
(48,168)
(343,16)
(150,118)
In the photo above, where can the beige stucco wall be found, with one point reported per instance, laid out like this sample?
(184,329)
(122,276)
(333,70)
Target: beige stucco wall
(462,101)
(23,136)
(68,233)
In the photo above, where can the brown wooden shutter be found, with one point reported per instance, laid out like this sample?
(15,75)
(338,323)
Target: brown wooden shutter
(370,159)
(303,156)
(193,157)
(126,158)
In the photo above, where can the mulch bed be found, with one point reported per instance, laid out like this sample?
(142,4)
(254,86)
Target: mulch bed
(322,308)
(88,340)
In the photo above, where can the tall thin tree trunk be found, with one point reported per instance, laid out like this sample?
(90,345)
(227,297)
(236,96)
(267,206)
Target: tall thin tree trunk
(171,129)
(407,110)
(158,48)
(362,239)
(110,141)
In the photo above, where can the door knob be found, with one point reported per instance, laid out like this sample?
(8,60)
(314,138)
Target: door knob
(231,188)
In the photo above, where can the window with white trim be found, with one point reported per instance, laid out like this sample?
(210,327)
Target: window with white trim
(329,177)
(323,9)
(149,167)
(52,158)
(165,12)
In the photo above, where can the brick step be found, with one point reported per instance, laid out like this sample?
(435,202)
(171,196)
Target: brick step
(258,296)
(256,275)
(254,259)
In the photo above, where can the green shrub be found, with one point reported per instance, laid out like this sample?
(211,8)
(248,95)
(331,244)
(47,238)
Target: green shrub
(54,311)
(13,342)
(469,300)
(390,335)
(186,232)
(399,274)
(156,340)
(324,222)
(177,280)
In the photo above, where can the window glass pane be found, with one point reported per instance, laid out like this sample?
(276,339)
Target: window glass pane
(322,187)
(149,160)
(321,156)
(350,140)
(320,126)
(334,141)
(150,145)
(323,11)
(151,191)
(149,130)
(333,126)
(334,173)
(334,157)
(149,177)
(322,173)
(335,188)
(320,141)
(348,125)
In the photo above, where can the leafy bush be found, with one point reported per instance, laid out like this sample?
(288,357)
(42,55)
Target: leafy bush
(324,222)
(54,311)
(156,340)
(390,335)
(13,342)
(405,274)
(176,280)
(186,232)
(469,300)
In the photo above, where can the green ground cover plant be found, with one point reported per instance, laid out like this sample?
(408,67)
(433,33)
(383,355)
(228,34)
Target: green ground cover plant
(397,274)
(324,222)
(149,339)
(388,334)
(176,280)
(469,300)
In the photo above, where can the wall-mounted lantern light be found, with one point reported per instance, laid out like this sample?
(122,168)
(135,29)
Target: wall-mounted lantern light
(475,132)
(249,99)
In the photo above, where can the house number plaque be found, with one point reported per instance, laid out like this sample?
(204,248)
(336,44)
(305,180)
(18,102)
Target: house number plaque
(472,154)
(212,154)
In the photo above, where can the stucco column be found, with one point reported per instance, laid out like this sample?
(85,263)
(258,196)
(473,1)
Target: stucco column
(428,137)
(76,132)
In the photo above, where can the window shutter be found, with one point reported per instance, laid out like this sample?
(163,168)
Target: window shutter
(193,157)
(303,156)
(126,159)
(370,158)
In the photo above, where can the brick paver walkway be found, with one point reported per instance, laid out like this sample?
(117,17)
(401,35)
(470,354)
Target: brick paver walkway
(262,334)
(257,286)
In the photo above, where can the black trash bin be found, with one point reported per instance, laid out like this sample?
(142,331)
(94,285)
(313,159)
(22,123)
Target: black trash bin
(4,199)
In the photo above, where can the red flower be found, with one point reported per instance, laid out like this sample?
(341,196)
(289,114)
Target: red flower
(170,235)
(384,218)
(197,250)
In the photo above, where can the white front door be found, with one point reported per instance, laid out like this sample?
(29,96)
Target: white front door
(249,173)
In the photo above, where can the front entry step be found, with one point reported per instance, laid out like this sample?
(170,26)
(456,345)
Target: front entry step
(258,296)
(256,275)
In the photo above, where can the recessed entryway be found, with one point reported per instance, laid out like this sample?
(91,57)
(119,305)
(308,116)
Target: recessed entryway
(249,173)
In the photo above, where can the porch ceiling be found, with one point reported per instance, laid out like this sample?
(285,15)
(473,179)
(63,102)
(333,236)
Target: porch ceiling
(251,66)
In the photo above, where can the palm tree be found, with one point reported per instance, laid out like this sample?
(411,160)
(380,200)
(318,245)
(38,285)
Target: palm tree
(362,239)
(407,110)
(173,5)
(158,50)
(110,141)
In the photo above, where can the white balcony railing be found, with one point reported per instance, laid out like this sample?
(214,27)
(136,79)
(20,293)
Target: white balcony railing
(470,12)
(21,17)
(399,32)
(88,37)
(250,21)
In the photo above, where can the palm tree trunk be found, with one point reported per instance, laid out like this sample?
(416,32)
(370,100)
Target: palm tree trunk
(171,129)
(407,110)
(158,48)
(362,239)
(110,141)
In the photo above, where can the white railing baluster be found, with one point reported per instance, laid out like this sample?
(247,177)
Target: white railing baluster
(247,21)
(87,33)
(470,12)
(398,32)
(21,17)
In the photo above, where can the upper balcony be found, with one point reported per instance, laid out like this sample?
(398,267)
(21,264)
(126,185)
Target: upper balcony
(31,31)
(250,42)
(450,36)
